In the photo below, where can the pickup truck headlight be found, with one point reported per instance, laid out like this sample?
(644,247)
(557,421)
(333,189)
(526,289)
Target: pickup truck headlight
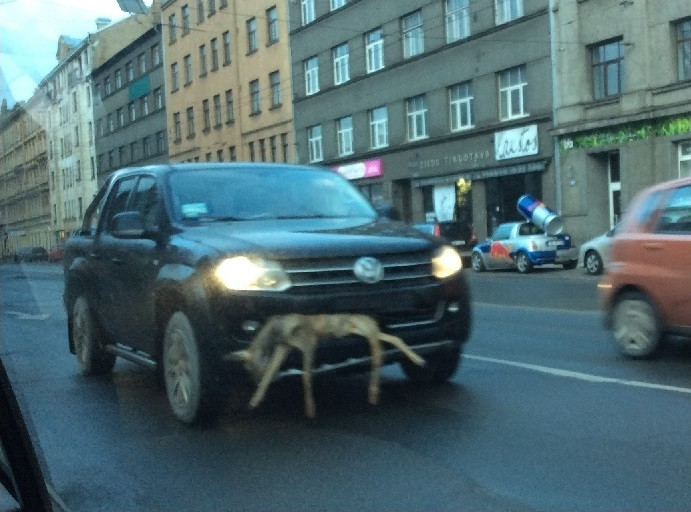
(446,262)
(246,273)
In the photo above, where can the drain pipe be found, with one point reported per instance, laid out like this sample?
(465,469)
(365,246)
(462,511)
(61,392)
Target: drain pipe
(555,139)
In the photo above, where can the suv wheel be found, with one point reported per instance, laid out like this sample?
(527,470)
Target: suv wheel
(635,325)
(439,366)
(477,263)
(523,264)
(87,341)
(189,382)
(593,263)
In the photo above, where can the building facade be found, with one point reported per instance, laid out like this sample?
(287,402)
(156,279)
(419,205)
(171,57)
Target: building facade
(228,91)
(623,112)
(442,108)
(24,194)
(129,106)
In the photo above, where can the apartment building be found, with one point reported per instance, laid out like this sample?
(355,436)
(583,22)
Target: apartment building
(441,107)
(24,194)
(623,113)
(129,112)
(228,91)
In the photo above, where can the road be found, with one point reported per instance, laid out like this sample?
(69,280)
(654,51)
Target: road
(543,415)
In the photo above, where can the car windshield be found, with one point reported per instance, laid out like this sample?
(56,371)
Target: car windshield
(263,193)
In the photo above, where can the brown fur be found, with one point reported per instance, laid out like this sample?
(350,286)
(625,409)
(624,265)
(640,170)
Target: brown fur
(281,334)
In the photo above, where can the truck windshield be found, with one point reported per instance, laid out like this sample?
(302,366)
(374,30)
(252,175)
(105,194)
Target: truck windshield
(208,195)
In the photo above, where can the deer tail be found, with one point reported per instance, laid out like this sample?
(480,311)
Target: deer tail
(399,343)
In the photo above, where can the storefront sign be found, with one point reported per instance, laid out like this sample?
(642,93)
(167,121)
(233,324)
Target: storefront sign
(516,143)
(452,160)
(483,174)
(366,169)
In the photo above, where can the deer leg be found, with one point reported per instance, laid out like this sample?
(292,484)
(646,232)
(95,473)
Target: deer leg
(280,353)
(377,357)
(399,343)
(307,365)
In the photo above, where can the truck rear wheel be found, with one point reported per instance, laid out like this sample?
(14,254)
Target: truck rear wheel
(87,340)
(191,384)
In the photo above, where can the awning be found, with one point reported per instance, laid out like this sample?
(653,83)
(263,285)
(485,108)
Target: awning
(483,174)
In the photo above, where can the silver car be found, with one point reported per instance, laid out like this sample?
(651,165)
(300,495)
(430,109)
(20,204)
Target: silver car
(594,255)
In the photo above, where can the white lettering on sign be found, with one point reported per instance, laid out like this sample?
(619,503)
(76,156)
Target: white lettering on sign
(516,142)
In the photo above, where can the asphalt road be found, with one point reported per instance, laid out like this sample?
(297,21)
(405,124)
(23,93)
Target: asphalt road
(543,415)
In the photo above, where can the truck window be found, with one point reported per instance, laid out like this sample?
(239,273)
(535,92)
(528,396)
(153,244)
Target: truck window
(120,194)
(145,200)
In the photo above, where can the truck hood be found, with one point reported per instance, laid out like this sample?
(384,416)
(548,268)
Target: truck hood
(309,238)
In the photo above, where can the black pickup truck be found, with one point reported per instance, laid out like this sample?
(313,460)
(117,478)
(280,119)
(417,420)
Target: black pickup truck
(177,265)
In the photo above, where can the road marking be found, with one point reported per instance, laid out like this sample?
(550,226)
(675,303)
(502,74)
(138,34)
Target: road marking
(533,308)
(28,316)
(578,375)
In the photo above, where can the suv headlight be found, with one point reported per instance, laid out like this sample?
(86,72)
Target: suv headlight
(247,273)
(446,262)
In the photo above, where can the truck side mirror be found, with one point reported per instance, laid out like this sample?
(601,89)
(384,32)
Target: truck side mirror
(128,225)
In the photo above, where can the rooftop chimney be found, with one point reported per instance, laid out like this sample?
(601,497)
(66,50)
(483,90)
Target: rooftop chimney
(102,23)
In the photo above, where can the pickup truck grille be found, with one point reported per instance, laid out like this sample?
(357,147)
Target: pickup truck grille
(400,270)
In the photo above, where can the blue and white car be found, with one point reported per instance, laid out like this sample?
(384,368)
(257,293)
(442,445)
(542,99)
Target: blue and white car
(523,245)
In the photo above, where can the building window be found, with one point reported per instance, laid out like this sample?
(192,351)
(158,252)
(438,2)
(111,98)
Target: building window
(202,60)
(272,24)
(251,151)
(262,150)
(413,35)
(512,83)
(685,159)
(608,72)
(111,124)
(78,177)
(461,107)
(218,114)
(146,146)
(177,128)
(161,142)
(284,146)
(190,122)
(230,112)
(314,143)
(232,154)
(337,4)
(214,54)
(212,7)
(416,114)
(219,155)
(251,35)
(374,50)
(185,19)
(172,27)
(145,105)
(344,136)
(457,20)
(684,49)
(226,48)
(76,136)
(118,79)
(311,75)
(200,11)
(207,115)
(254,97)
(188,69)
(222,4)
(307,11)
(379,127)
(158,95)
(275,81)
(508,10)
(109,86)
(133,111)
(155,55)
(272,146)
(174,76)
(142,63)
(121,117)
(341,69)
(93,167)
(91,137)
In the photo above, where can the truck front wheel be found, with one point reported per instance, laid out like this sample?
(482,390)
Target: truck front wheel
(439,366)
(87,341)
(191,385)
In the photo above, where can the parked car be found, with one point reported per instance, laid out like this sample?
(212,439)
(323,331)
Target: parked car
(646,290)
(523,245)
(56,254)
(177,266)
(30,254)
(594,255)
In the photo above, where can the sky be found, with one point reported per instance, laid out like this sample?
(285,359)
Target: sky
(29,32)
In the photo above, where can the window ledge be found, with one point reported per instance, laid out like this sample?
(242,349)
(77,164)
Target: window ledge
(276,107)
(187,84)
(250,52)
(217,126)
(255,114)
(230,122)
(513,118)
(192,136)
(202,75)
(611,100)
(206,130)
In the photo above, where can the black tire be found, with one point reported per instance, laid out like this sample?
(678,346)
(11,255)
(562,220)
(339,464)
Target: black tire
(636,326)
(523,263)
(593,263)
(570,265)
(191,382)
(87,340)
(439,366)
(477,263)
